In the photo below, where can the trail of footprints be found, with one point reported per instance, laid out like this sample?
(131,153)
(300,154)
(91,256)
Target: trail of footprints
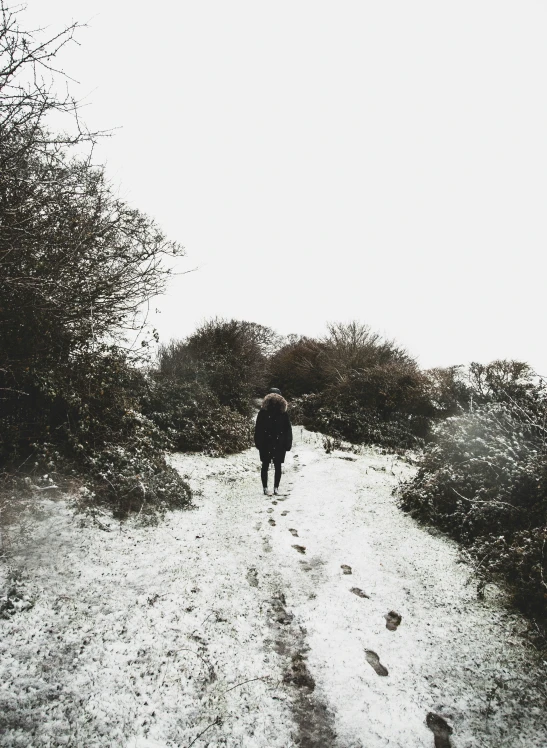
(437,724)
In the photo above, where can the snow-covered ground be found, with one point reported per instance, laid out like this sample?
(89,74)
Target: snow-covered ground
(260,622)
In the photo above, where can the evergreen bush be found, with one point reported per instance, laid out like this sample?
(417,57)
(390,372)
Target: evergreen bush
(193,418)
(355,385)
(483,480)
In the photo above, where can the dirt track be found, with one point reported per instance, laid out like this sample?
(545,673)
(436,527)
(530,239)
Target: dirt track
(324,617)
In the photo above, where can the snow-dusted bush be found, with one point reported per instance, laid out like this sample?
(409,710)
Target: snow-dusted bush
(347,419)
(484,481)
(202,389)
(384,405)
(89,428)
(77,264)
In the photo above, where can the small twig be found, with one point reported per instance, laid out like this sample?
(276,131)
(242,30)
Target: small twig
(483,559)
(164,674)
(242,684)
(11,389)
(479,501)
(541,566)
(204,621)
(140,510)
(216,722)
(25,460)
(103,527)
(187,649)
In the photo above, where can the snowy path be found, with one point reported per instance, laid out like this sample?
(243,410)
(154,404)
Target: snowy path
(240,622)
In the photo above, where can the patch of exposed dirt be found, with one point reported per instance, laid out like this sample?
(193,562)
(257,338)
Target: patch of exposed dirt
(359,592)
(440,729)
(393,620)
(314,722)
(252,577)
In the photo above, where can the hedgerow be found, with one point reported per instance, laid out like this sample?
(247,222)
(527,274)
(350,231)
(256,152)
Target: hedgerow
(355,385)
(347,419)
(202,388)
(193,418)
(83,426)
(484,482)
(77,265)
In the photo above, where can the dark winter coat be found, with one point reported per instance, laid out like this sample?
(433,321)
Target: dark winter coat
(273,431)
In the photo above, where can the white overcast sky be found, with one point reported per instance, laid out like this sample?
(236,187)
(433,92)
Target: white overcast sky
(380,160)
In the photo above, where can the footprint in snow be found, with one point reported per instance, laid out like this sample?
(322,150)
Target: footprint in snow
(359,592)
(284,514)
(293,532)
(346,569)
(270,509)
(374,661)
(300,548)
(274,502)
(252,577)
(271,522)
(393,619)
(440,729)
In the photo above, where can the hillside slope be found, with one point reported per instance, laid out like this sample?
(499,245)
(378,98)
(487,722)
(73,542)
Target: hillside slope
(259,622)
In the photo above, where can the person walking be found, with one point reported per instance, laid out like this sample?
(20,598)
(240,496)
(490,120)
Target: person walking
(273,436)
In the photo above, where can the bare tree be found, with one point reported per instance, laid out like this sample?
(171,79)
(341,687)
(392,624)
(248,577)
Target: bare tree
(29,87)
(354,347)
(77,264)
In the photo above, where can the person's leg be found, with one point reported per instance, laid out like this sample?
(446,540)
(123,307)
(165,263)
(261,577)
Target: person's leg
(264,473)
(277,474)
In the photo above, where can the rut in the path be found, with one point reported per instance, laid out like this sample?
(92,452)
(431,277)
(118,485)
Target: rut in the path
(314,723)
